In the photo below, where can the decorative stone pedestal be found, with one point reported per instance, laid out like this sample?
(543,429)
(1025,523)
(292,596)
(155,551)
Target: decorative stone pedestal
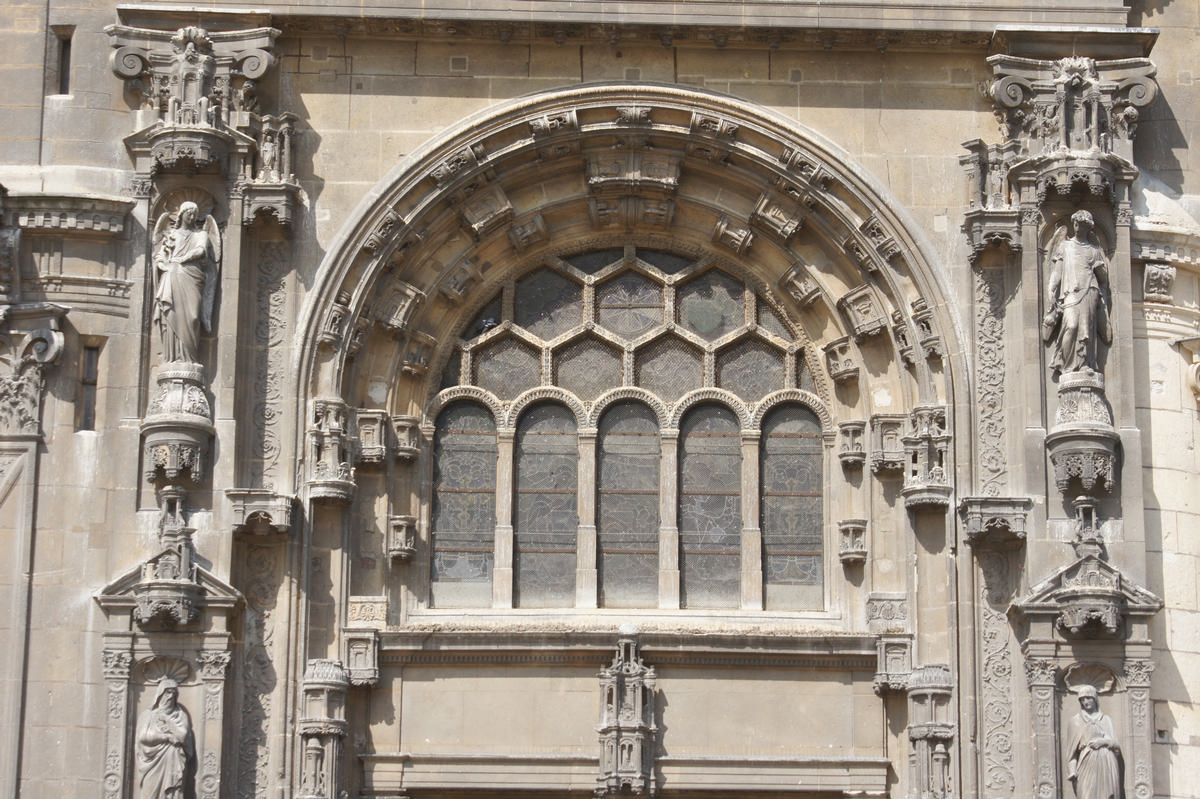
(1083,442)
(178,427)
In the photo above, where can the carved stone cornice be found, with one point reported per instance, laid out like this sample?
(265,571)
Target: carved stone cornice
(62,214)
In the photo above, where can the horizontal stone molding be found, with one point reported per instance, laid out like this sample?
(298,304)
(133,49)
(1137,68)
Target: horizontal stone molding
(67,214)
(399,771)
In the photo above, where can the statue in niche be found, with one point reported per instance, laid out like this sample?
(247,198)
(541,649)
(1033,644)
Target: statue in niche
(1077,322)
(166,749)
(1094,763)
(186,258)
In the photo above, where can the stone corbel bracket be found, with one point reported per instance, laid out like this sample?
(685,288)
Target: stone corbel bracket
(360,650)
(995,522)
(261,512)
(894,664)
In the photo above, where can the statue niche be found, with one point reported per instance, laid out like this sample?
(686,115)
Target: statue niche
(1094,762)
(166,747)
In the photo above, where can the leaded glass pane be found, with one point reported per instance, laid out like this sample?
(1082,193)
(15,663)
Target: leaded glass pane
(792,509)
(548,304)
(804,375)
(593,261)
(485,320)
(464,506)
(668,262)
(507,367)
(588,367)
(710,508)
(669,368)
(711,305)
(771,321)
(630,305)
(627,506)
(751,369)
(546,517)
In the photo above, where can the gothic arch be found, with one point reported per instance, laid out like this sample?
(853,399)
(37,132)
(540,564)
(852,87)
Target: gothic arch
(605,166)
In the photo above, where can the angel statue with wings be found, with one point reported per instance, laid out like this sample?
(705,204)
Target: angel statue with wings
(186,259)
(1077,322)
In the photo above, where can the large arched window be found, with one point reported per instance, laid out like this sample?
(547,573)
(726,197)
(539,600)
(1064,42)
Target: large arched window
(621,486)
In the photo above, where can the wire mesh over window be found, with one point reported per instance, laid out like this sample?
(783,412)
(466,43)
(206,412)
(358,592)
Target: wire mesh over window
(792,512)
(711,305)
(751,369)
(710,508)
(629,454)
(669,368)
(464,506)
(547,518)
(630,305)
(548,304)
(507,367)
(587,368)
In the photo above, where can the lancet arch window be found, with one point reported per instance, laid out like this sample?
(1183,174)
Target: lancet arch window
(597,444)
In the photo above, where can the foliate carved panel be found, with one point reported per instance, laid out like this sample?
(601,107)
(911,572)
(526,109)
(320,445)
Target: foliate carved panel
(887,613)
(367,611)
(1157,282)
(996,654)
(862,311)
(262,579)
(989,391)
(270,338)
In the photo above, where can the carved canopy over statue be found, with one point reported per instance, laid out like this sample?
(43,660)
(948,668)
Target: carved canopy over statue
(1077,321)
(187,256)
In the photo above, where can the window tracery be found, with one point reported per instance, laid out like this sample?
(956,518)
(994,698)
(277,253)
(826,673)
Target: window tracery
(667,458)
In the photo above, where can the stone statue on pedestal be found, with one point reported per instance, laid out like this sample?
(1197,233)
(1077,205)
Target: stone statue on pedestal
(1094,763)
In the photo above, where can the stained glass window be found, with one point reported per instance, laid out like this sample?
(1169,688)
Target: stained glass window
(670,325)
(547,520)
(792,512)
(710,508)
(464,506)
(628,453)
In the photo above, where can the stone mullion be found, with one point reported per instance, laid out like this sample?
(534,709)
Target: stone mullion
(116,677)
(751,566)
(502,570)
(585,570)
(668,512)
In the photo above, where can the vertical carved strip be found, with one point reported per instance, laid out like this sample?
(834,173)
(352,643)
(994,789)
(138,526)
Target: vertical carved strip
(212,667)
(1041,675)
(1137,677)
(116,677)
(996,677)
(261,588)
(989,322)
(270,331)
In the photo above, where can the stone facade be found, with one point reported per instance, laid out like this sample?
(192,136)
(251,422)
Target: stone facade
(620,399)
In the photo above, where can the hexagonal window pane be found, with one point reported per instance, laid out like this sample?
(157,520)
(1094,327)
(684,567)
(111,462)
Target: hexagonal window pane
(630,305)
(507,367)
(751,369)
(548,304)
(593,261)
(588,368)
(669,368)
(711,305)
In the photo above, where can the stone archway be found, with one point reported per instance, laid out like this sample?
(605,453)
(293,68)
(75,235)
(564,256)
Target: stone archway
(624,168)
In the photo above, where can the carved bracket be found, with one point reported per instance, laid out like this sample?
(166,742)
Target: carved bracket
(330,475)
(261,512)
(996,522)
(853,547)
(841,360)
(894,663)
(852,445)
(862,311)
(887,444)
(1087,599)
(927,445)
(360,648)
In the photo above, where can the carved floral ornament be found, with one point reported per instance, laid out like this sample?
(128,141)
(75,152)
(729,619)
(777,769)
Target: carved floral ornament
(637,160)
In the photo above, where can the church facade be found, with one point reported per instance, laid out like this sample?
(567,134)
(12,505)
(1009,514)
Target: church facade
(568,399)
